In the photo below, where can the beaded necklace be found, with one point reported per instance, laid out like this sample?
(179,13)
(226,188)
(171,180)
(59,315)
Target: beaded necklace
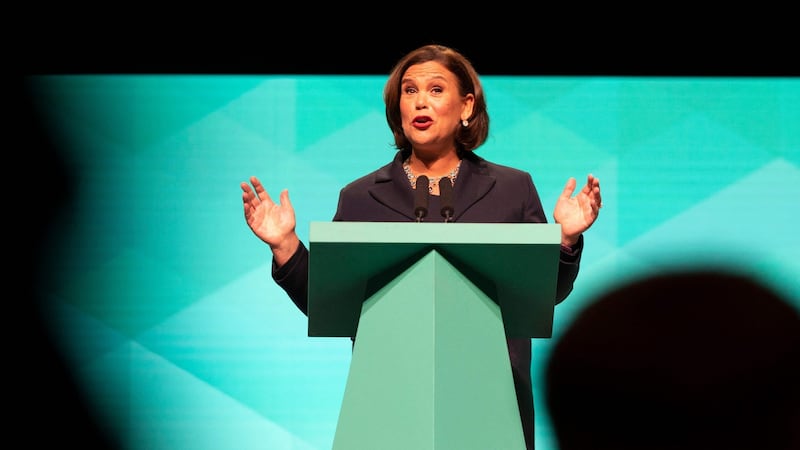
(433,181)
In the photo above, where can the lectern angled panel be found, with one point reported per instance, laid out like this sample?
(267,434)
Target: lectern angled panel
(516,265)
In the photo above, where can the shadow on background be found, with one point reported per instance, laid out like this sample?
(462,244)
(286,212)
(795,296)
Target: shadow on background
(49,408)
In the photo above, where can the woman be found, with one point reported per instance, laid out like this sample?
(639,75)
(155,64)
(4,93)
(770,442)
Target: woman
(436,110)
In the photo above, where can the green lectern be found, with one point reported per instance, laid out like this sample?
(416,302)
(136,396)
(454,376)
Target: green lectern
(431,305)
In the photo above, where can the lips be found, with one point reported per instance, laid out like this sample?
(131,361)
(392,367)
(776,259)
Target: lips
(422,122)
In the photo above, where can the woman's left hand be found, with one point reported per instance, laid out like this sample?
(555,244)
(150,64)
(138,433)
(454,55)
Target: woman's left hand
(576,214)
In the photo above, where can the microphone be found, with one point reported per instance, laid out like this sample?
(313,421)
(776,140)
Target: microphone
(446,196)
(421,197)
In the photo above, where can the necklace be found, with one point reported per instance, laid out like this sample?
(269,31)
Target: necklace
(432,181)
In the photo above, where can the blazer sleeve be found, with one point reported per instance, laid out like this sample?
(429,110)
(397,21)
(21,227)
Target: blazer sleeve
(568,265)
(293,277)
(570,258)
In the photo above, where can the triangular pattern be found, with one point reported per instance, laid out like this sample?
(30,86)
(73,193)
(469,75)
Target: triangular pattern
(163,300)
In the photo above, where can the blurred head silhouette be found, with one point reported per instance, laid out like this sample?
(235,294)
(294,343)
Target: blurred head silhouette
(698,359)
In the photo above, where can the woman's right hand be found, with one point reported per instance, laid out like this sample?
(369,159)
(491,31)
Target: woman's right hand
(273,223)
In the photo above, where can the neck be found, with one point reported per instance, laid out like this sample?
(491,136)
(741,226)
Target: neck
(436,166)
(433,180)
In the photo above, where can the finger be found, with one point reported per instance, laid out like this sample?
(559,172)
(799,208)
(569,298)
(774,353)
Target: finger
(248,195)
(248,200)
(261,193)
(246,188)
(597,197)
(591,183)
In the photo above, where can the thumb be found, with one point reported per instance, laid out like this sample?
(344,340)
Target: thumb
(285,198)
(569,188)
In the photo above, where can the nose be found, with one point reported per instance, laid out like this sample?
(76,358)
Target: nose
(420,101)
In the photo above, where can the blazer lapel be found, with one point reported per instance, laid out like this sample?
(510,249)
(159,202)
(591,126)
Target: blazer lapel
(392,189)
(472,184)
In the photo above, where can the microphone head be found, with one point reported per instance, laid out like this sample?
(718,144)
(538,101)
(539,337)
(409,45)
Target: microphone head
(423,184)
(421,196)
(446,196)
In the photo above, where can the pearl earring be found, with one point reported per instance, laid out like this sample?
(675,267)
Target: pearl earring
(464,122)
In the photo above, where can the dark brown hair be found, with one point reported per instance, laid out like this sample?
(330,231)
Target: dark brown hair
(468,138)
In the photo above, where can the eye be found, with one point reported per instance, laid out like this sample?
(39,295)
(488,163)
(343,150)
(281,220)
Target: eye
(410,90)
(437,90)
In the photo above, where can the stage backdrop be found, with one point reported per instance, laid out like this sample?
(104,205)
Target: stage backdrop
(161,297)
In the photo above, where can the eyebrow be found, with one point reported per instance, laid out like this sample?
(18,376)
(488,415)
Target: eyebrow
(433,78)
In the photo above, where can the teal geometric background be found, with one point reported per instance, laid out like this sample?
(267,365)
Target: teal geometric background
(161,297)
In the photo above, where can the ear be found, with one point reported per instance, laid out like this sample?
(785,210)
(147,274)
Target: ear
(466,109)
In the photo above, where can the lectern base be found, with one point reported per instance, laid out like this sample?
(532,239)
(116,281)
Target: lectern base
(430,368)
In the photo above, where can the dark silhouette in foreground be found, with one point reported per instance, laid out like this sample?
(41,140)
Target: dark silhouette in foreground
(687,360)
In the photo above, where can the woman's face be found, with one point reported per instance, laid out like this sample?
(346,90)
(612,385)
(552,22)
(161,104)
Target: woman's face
(431,107)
